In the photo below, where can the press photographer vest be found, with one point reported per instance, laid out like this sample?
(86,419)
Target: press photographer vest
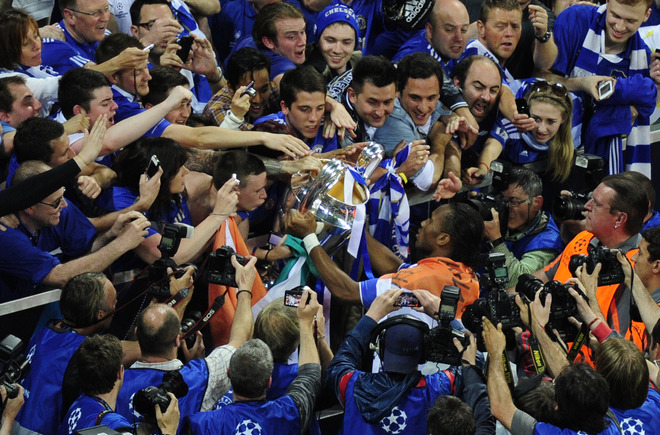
(606,293)
(195,373)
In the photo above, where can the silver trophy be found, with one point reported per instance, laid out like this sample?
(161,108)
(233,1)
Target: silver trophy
(328,198)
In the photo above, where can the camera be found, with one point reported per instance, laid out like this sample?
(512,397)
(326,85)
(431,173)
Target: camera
(483,202)
(563,304)
(570,207)
(249,90)
(189,322)
(158,273)
(221,270)
(501,170)
(146,400)
(407,299)
(171,238)
(611,271)
(440,340)
(14,367)
(292,297)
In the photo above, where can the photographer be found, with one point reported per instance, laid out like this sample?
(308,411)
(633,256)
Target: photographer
(581,396)
(250,372)
(532,240)
(373,400)
(613,220)
(101,372)
(159,335)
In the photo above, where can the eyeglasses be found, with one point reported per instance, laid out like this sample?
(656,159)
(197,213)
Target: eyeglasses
(148,25)
(515,202)
(541,86)
(96,14)
(55,204)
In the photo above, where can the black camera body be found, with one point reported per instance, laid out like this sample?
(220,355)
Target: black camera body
(611,271)
(483,202)
(187,323)
(570,207)
(145,400)
(440,340)
(563,304)
(14,367)
(221,270)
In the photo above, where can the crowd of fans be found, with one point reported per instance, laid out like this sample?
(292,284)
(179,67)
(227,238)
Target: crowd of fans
(502,269)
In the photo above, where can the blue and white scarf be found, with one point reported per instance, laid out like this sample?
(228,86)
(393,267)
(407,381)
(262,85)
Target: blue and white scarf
(388,208)
(637,155)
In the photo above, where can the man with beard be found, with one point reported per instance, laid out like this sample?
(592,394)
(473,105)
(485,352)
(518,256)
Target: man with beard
(448,242)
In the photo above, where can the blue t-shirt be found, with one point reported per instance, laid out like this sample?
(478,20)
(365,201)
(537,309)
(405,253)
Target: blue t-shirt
(49,352)
(278,64)
(127,107)
(85,413)
(65,55)
(26,258)
(643,419)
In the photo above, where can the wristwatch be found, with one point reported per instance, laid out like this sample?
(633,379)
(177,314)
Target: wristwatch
(545,38)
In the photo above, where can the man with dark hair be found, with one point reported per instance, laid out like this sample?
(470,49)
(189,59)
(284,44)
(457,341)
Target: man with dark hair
(17,103)
(398,397)
(581,396)
(302,103)
(203,75)
(127,85)
(101,374)
(647,261)
(84,25)
(243,67)
(416,110)
(615,214)
(163,80)
(159,335)
(88,93)
(532,240)
(451,416)
(279,33)
(87,302)
(250,370)
(652,218)
(499,27)
(448,244)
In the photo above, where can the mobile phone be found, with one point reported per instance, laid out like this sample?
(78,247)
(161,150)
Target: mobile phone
(152,167)
(605,89)
(148,47)
(274,238)
(292,297)
(237,180)
(249,89)
(186,43)
(407,299)
(521,105)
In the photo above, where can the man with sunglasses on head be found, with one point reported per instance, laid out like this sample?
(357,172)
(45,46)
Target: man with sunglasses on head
(532,239)
(85,25)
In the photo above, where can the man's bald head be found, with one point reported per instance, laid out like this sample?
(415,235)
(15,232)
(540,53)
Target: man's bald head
(157,329)
(447,28)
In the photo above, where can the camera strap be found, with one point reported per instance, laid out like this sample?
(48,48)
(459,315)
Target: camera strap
(537,356)
(508,374)
(580,339)
(177,298)
(206,318)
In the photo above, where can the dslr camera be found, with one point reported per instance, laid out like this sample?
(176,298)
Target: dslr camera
(483,202)
(169,244)
(145,400)
(14,367)
(570,207)
(189,322)
(498,306)
(439,342)
(221,270)
(611,271)
(563,304)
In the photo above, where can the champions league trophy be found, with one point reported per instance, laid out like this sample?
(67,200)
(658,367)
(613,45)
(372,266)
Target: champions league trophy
(337,197)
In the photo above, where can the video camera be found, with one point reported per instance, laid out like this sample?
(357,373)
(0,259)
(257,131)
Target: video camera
(611,271)
(145,400)
(221,270)
(498,306)
(440,340)
(483,202)
(562,307)
(169,244)
(14,367)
